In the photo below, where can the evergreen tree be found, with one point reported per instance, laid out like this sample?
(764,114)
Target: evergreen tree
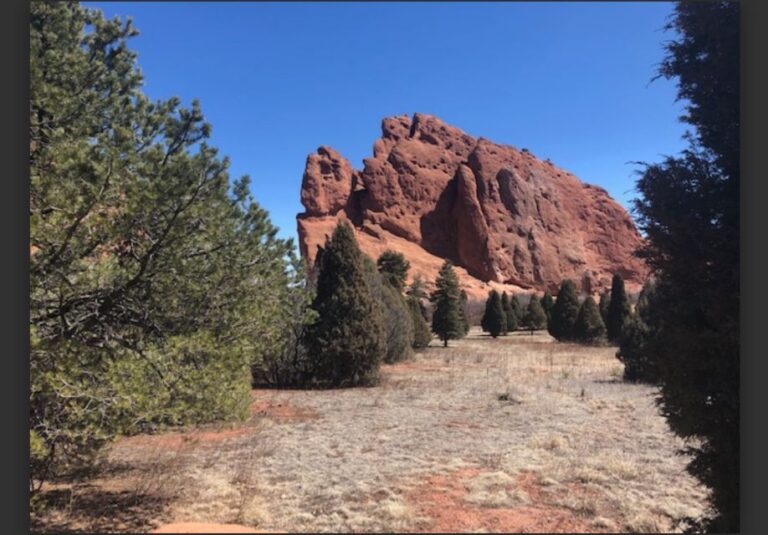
(605,301)
(446,299)
(565,312)
(394,268)
(619,308)
(418,291)
(633,346)
(155,279)
(397,326)
(421,334)
(689,211)
(346,340)
(517,309)
(464,310)
(589,324)
(509,314)
(535,317)
(547,302)
(494,320)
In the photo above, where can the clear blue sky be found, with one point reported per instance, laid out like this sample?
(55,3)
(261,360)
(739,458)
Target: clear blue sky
(569,81)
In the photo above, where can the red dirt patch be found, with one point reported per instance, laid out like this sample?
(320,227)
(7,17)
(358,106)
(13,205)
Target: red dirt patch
(183,440)
(279,410)
(442,499)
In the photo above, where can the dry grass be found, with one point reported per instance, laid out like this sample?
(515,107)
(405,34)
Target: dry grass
(515,429)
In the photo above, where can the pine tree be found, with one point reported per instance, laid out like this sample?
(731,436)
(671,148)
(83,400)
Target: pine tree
(421,334)
(619,308)
(565,312)
(547,303)
(535,317)
(446,317)
(589,326)
(346,340)
(509,314)
(494,320)
(689,212)
(605,301)
(394,269)
(155,278)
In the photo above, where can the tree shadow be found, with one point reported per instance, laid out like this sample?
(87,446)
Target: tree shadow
(89,509)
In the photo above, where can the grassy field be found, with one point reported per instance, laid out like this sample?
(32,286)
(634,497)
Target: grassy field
(516,434)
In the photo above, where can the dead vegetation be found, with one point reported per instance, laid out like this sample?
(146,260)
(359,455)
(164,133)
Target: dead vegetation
(513,434)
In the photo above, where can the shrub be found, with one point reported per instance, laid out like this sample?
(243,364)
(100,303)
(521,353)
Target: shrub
(547,303)
(619,308)
(605,301)
(589,325)
(421,334)
(494,320)
(565,312)
(535,317)
(512,319)
(633,351)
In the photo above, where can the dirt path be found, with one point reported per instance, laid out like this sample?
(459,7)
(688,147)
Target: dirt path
(517,434)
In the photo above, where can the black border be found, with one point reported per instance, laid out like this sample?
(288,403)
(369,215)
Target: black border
(14,227)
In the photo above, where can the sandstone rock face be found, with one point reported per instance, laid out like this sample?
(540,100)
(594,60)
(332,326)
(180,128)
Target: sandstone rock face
(507,219)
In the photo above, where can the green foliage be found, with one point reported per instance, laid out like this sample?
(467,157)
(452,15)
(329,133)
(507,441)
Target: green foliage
(589,326)
(547,302)
(397,322)
(633,350)
(155,281)
(535,317)
(418,291)
(346,342)
(394,269)
(689,211)
(494,320)
(464,311)
(421,334)
(517,311)
(619,309)
(605,302)
(512,319)
(288,363)
(446,299)
(565,312)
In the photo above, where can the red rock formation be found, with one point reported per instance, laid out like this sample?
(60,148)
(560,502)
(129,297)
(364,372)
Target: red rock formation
(506,218)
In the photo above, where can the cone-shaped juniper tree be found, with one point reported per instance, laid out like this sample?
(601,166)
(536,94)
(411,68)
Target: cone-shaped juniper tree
(346,339)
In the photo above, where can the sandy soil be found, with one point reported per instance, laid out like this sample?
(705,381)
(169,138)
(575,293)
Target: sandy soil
(517,434)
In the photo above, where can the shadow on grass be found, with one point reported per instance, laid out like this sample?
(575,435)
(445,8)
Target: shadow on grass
(87,509)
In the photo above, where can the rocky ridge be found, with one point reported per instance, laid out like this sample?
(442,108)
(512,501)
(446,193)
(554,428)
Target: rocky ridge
(507,219)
